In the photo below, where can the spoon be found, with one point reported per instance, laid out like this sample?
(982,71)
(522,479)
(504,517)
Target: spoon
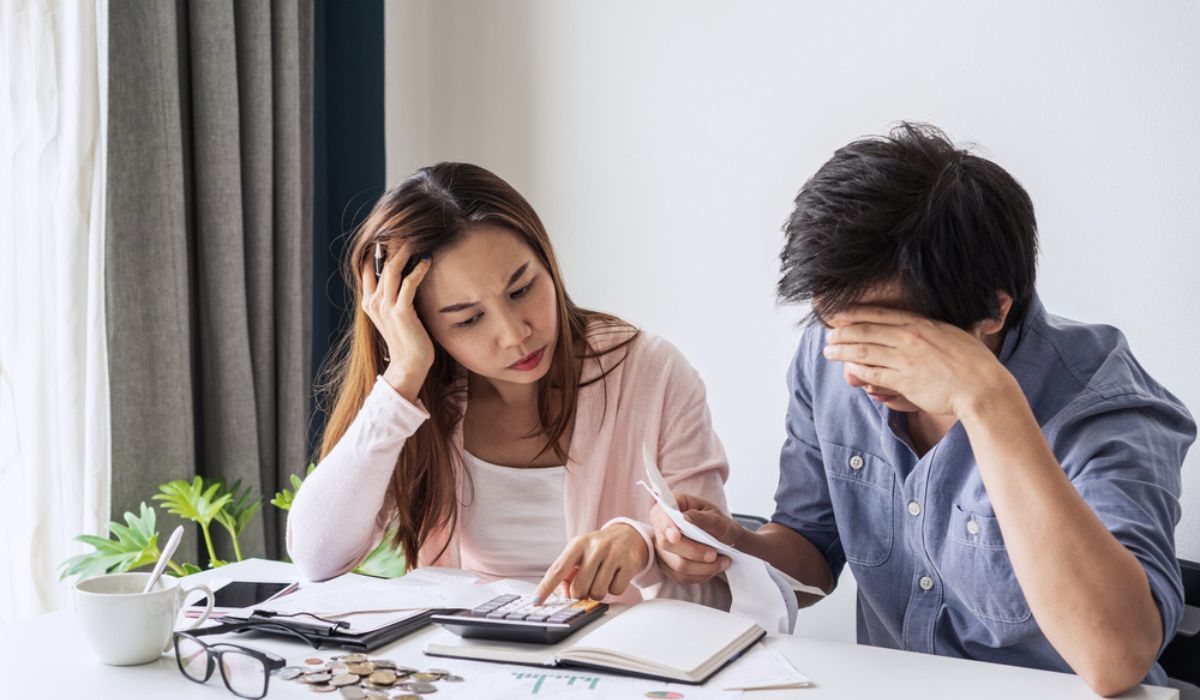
(172,544)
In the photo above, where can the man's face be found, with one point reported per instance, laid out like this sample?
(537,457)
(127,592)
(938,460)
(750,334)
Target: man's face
(888,295)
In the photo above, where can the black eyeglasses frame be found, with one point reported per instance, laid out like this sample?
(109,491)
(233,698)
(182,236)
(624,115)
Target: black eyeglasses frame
(271,662)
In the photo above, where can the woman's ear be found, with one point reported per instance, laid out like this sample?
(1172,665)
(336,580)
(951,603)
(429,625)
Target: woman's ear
(993,326)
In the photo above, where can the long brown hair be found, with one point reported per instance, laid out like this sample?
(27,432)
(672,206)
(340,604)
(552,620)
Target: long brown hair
(432,210)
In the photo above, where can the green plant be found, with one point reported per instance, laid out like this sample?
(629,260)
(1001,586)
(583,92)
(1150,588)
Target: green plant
(135,544)
(196,503)
(236,513)
(283,499)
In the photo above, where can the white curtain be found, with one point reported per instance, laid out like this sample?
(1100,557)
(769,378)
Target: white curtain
(54,416)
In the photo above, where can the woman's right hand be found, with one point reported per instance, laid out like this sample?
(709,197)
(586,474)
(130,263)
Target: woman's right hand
(388,302)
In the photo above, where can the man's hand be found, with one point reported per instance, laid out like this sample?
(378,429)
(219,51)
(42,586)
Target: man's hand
(596,564)
(938,367)
(685,560)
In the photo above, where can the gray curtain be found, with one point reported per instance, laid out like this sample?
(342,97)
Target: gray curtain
(209,250)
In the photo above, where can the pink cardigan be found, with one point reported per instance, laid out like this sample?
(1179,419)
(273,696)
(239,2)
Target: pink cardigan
(654,397)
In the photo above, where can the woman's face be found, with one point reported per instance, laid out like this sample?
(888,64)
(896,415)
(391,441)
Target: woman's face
(491,304)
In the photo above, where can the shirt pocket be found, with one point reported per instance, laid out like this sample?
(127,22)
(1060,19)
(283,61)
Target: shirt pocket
(860,489)
(978,570)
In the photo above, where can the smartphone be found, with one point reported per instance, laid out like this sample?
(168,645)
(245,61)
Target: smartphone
(242,594)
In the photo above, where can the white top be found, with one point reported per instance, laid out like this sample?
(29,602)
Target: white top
(513,525)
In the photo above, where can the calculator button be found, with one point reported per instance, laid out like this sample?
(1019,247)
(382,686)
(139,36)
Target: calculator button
(497,615)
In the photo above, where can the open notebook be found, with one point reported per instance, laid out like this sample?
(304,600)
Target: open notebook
(663,639)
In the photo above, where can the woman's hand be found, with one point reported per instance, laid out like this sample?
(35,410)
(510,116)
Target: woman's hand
(388,302)
(596,564)
(685,560)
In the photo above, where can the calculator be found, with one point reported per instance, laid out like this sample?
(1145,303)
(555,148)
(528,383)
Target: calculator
(515,618)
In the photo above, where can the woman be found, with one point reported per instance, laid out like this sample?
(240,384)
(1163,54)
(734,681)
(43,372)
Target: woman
(498,426)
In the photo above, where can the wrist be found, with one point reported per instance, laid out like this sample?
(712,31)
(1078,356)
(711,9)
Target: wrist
(1001,395)
(643,533)
(742,538)
(405,381)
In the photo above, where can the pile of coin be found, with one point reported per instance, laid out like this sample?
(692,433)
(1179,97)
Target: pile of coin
(357,676)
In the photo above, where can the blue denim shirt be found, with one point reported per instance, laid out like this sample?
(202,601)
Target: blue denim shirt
(920,534)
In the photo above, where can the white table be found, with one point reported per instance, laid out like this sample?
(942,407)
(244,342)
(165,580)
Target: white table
(48,657)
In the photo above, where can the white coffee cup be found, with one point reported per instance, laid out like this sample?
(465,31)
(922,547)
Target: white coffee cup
(126,627)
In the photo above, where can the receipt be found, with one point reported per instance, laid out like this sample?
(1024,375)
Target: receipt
(760,591)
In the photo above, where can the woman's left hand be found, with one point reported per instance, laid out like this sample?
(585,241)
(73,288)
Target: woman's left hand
(596,564)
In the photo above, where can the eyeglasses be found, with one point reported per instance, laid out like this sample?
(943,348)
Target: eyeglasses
(244,670)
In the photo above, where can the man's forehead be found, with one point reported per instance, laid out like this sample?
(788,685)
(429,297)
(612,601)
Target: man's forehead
(890,295)
(886,294)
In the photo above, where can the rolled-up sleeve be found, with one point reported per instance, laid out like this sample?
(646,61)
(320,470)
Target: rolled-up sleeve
(1124,455)
(802,500)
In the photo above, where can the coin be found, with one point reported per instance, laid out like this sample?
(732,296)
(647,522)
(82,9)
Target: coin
(422,687)
(317,678)
(361,668)
(406,696)
(322,688)
(290,673)
(376,693)
(382,677)
(439,671)
(353,692)
(339,669)
(427,676)
(452,678)
(383,663)
(352,658)
(313,662)
(344,679)
(407,670)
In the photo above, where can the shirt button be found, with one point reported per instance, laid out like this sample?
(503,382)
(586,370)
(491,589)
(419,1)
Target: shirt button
(972,527)
(856,462)
(914,508)
(926,583)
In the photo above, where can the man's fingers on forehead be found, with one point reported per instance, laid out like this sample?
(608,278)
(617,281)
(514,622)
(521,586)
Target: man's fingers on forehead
(866,332)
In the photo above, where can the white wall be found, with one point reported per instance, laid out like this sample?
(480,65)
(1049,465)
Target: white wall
(662,144)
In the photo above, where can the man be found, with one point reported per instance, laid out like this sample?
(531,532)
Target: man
(1004,483)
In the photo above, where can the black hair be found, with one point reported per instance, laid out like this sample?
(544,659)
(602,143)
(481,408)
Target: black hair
(950,227)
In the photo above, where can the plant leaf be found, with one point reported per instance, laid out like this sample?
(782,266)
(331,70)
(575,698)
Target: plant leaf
(192,501)
(237,513)
(136,544)
(384,560)
(283,499)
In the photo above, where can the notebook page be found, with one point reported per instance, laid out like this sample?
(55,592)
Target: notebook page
(669,634)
